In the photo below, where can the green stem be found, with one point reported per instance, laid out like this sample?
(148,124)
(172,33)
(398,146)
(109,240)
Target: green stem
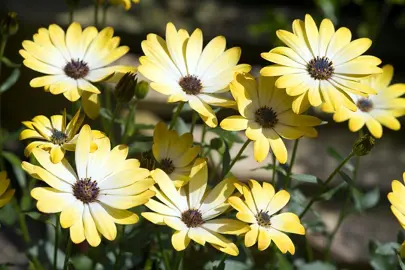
(343,212)
(179,258)
(342,216)
(176,115)
(56,244)
(294,153)
(67,253)
(22,222)
(71,12)
(273,177)
(325,184)
(204,132)
(118,256)
(310,254)
(194,117)
(165,258)
(96,9)
(237,157)
(222,261)
(3,43)
(130,118)
(105,9)
(111,128)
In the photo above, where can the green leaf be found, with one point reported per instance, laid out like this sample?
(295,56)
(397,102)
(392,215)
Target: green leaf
(363,201)
(318,265)
(180,126)
(334,154)
(10,81)
(390,248)
(226,160)
(379,261)
(17,169)
(283,262)
(39,217)
(228,136)
(329,194)
(139,147)
(347,178)
(107,114)
(306,178)
(9,63)
(228,265)
(401,263)
(269,167)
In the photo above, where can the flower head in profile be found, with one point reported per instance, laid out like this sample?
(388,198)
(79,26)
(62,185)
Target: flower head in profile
(73,61)
(192,210)
(97,194)
(396,198)
(180,68)
(266,115)
(5,193)
(54,135)
(259,208)
(375,111)
(174,154)
(126,3)
(321,66)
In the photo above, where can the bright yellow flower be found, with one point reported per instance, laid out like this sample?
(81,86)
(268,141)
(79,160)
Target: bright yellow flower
(181,69)
(396,198)
(266,115)
(192,210)
(175,154)
(54,135)
(381,109)
(5,193)
(321,66)
(92,200)
(74,61)
(259,207)
(126,3)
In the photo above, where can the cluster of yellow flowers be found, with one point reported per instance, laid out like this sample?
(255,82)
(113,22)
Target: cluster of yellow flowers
(316,67)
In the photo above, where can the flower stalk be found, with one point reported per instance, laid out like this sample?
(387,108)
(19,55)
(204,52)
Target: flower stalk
(176,115)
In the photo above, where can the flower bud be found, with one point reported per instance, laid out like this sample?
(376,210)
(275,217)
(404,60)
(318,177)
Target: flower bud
(9,24)
(125,88)
(364,145)
(216,143)
(141,90)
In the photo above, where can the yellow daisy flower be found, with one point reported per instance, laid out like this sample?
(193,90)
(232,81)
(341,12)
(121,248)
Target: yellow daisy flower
(175,154)
(54,135)
(374,111)
(259,207)
(5,193)
(266,115)
(321,66)
(181,69)
(397,206)
(126,3)
(73,61)
(192,210)
(95,196)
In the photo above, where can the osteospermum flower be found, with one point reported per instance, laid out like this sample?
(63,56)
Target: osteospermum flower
(321,66)
(95,196)
(266,115)
(174,154)
(74,60)
(126,3)
(54,135)
(192,210)
(5,193)
(259,208)
(378,110)
(181,69)
(396,198)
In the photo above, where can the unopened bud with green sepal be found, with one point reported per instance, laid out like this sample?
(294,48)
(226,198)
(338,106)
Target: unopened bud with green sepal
(141,90)
(9,24)
(363,145)
(125,88)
